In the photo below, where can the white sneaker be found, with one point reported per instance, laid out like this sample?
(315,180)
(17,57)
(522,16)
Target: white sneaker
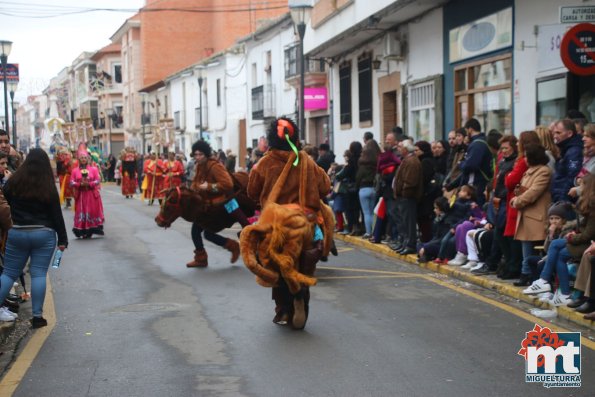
(5,315)
(560,300)
(458,260)
(537,287)
(469,265)
(478,266)
(545,296)
(9,312)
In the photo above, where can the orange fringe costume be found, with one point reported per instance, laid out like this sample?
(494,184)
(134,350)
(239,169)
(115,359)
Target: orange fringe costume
(285,231)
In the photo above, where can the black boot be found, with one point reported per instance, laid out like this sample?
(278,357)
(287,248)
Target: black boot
(524,281)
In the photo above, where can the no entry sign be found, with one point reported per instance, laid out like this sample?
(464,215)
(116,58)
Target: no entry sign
(578,49)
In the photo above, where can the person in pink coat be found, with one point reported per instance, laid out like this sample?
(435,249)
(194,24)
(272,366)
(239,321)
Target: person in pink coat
(88,211)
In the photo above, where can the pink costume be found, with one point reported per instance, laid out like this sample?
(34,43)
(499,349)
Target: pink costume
(88,211)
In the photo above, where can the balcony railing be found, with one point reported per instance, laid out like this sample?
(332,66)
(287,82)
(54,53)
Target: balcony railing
(263,102)
(293,62)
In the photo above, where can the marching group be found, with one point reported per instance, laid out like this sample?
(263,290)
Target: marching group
(522,207)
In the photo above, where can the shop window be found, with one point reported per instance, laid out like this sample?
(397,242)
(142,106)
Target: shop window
(551,99)
(483,90)
(421,111)
(364,70)
(345,92)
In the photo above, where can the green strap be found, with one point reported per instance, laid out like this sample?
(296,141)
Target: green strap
(297,156)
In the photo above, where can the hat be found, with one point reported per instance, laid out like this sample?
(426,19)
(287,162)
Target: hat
(560,209)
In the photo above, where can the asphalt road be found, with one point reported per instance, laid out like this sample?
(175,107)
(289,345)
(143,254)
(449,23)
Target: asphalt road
(132,320)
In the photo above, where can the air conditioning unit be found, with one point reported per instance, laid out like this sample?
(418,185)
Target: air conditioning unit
(393,47)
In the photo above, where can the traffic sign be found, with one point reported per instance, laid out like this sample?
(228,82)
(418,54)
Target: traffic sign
(577,49)
(12,72)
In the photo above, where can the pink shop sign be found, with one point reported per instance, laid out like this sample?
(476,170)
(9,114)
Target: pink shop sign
(315,98)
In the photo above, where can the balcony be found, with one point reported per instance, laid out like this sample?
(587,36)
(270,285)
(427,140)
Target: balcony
(263,102)
(315,69)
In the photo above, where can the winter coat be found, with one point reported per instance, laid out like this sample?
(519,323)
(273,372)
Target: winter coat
(477,165)
(510,181)
(325,160)
(408,181)
(533,204)
(219,181)
(579,242)
(567,167)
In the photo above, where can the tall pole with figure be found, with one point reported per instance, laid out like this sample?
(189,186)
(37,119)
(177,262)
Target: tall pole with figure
(5,47)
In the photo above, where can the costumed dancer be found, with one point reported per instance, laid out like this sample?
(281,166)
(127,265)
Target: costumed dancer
(173,171)
(154,169)
(284,247)
(128,172)
(88,208)
(215,184)
(64,166)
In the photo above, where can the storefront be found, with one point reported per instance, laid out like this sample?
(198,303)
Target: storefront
(478,64)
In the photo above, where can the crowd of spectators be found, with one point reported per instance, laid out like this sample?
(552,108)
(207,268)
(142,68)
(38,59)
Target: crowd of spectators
(521,207)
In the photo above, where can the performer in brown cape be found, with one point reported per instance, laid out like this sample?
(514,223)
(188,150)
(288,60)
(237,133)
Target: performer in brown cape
(283,248)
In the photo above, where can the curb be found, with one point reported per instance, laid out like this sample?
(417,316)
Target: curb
(6,329)
(488,282)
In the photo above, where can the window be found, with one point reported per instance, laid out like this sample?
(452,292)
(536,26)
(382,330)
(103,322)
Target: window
(177,120)
(218,92)
(117,72)
(364,70)
(197,118)
(483,90)
(551,99)
(345,92)
(421,111)
(291,61)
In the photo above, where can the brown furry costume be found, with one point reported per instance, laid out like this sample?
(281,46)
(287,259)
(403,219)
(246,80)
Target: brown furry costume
(272,248)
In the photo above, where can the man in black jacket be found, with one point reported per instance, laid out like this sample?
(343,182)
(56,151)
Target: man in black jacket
(325,156)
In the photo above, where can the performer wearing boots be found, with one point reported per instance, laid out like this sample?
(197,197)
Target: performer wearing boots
(173,171)
(128,172)
(305,178)
(214,183)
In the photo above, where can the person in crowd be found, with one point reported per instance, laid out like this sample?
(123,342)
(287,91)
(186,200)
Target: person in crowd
(111,168)
(129,177)
(326,156)
(588,160)
(477,166)
(4,172)
(173,171)
(586,283)
(221,156)
(248,159)
(312,151)
(348,186)
(455,157)
(64,166)
(190,171)
(399,134)
(459,213)
(440,151)
(5,224)
(408,190)
(214,183)
(35,211)
(388,162)
(570,162)
(364,180)
(432,188)
(573,246)
(511,248)
(154,169)
(337,200)
(140,163)
(532,200)
(88,207)
(547,141)
(118,172)
(230,163)
(260,187)
(14,158)
(443,222)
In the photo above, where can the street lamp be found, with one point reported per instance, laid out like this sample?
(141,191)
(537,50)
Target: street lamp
(110,113)
(5,47)
(143,117)
(300,13)
(12,86)
(200,81)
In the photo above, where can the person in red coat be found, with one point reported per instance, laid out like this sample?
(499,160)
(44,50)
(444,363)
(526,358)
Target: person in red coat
(154,169)
(173,171)
(128,172)
(511,248)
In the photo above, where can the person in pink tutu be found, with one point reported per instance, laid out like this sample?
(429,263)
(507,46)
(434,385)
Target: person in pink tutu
(88,210)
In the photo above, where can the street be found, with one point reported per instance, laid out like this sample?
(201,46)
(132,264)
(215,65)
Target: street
(132,320)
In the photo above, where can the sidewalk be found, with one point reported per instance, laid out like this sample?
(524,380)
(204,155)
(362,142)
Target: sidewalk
(504,287)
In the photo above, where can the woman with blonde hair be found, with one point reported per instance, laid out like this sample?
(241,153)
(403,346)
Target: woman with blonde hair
(547,141)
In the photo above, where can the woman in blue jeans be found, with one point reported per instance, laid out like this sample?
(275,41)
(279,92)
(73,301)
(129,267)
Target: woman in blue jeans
(37,219)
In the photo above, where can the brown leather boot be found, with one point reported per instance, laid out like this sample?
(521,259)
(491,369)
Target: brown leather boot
(200,259)
(233,247)
(309,258)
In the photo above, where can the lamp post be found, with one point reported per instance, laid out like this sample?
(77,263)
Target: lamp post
(5,47)
(200,81)
(300,13)
(143,117)
(110,113)
(12,86)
